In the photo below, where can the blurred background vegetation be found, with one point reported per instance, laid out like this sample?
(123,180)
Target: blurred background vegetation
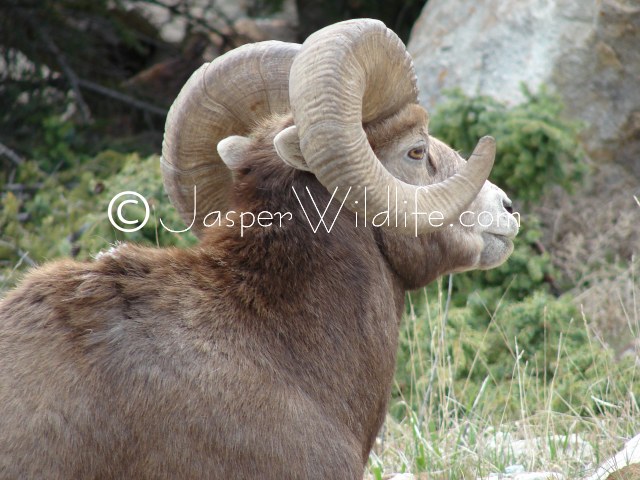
(84,89)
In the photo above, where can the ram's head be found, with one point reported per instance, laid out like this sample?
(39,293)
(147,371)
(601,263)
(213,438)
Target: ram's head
(356,125)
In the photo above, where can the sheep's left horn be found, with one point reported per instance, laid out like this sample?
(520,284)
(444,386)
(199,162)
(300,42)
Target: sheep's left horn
(352,73)
(225,97)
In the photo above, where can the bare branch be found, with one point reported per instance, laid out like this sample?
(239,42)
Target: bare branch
(122,97)
(21,187)
(102,90)
(68,71)
(24,256)
(10,154)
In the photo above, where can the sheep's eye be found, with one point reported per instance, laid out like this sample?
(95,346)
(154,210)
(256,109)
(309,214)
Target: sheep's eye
(417,153)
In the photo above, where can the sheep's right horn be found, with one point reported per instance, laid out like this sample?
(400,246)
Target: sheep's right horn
(225,97)
(351,73)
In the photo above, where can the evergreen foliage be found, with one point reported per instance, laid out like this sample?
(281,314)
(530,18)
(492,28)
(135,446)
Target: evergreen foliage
(537,147)
(539,342)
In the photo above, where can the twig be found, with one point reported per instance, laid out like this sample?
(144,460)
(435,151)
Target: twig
(21,187)
(10,154)
(68,71)
(122,97)
(446,305)
(24,256)
(537,244)
(102,90)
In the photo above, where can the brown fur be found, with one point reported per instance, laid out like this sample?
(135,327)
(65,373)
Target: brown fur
(269,356)
(383,132)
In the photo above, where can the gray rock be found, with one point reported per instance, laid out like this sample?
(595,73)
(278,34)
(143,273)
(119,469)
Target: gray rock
(525,476)
(588,51)
(513,469)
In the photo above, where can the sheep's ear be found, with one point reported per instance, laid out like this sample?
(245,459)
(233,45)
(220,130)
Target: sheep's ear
(233,150)
(287,146)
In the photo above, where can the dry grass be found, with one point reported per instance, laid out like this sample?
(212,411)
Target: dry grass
(437,442)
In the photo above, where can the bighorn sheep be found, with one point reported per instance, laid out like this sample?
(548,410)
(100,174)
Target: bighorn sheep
(268,354)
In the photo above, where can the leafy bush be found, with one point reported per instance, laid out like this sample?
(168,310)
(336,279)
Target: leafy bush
(536,146)
(536,149)
(538,348)
(71,207)
(528,269)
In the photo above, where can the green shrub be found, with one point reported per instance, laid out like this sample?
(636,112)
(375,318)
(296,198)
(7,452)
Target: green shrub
(536,147)
(71,207)
(538,348)
(528,269)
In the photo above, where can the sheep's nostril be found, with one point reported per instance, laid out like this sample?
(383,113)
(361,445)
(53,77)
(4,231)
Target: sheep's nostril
(508,206)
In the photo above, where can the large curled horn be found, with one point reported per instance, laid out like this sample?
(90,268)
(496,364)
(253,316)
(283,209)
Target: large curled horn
(225,97)
(351,73)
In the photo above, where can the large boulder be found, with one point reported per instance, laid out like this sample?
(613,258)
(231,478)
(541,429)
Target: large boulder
(588,51)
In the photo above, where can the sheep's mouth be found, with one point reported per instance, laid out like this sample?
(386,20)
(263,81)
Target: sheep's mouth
(506,238)
(496,250)
(509,233)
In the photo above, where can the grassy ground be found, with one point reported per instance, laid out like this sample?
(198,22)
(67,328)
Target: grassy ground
(455,429)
